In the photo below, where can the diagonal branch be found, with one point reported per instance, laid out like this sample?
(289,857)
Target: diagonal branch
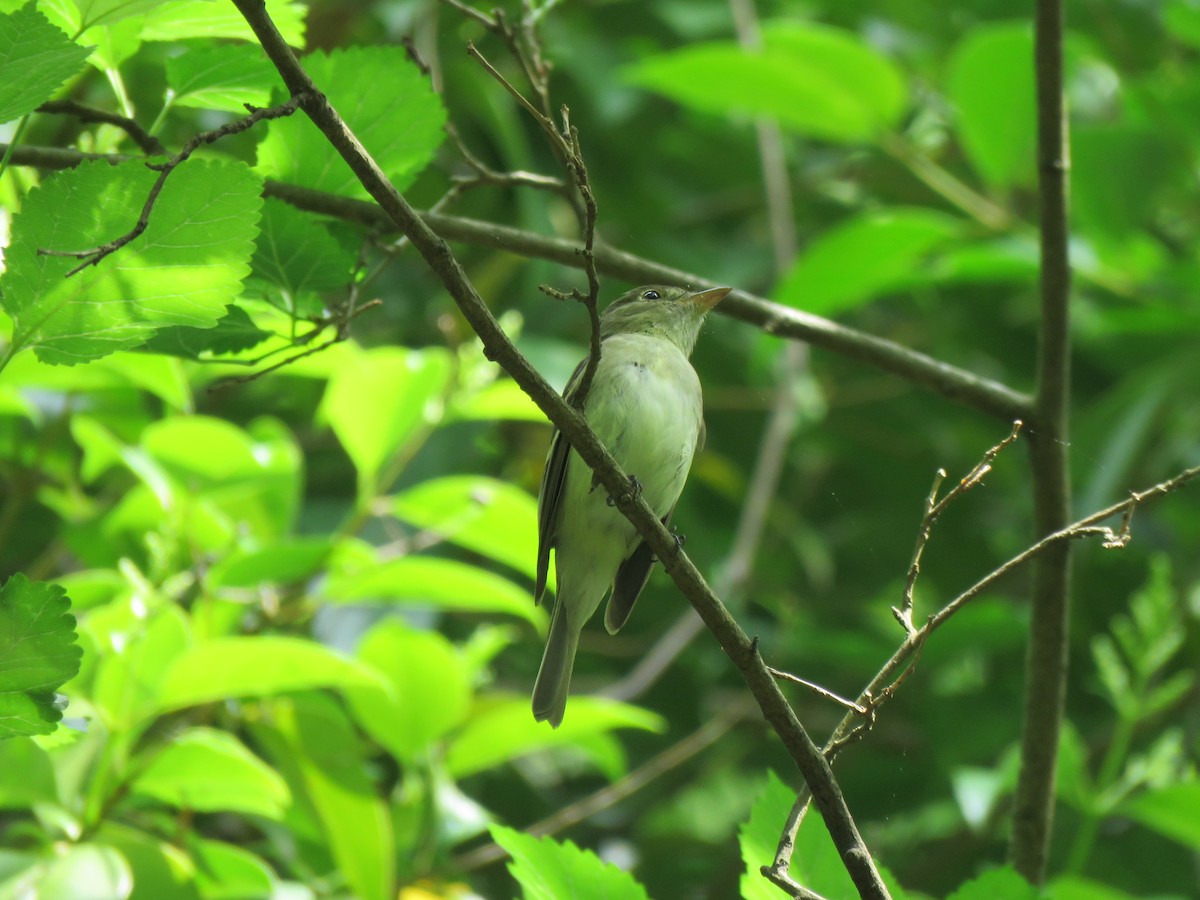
(437,254)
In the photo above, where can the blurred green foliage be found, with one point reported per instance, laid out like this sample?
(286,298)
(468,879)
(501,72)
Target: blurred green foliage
(303,600)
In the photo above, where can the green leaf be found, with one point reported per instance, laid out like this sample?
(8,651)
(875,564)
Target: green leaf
(181,271)
(501,400)
(253,479)
(549,870)
(998,884)
(314,745)
(85,14)
(374,422)
(759,837)
(162,378)
(399,122)
(1074,888)
(281,562)
(428,688)
(813,79)
(38,654)
(114,43)
(159,869)
(139,651)
(427,581)
(502,730)
(26,775)
(222,76)
(1182,19)
(183,20)
(207,770)
(858,260)
(487,516)
(990,83)
(234,332)
(1118,175)
(1170,810)
(1013,258)
(227,872)
(35,59)
(297,253)
(815,860)
(255,667)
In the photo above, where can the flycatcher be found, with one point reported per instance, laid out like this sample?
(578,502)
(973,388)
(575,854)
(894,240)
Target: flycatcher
(645,406)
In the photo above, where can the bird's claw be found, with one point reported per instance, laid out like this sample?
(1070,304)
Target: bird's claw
(680,540)
(635,491)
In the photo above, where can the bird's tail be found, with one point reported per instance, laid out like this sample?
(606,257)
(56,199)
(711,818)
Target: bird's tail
(554,676)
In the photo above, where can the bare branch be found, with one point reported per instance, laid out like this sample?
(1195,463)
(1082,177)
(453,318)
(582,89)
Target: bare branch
(819,691)
(149,144)
(933,509)
(1049,628)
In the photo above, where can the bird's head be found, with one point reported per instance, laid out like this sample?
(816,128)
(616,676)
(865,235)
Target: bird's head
(661,311)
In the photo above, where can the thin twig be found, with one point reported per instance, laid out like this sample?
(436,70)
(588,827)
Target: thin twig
(341,322)
(566,146)
(819,691)
(933,509)
(487,176)
(149,144)
(94,255)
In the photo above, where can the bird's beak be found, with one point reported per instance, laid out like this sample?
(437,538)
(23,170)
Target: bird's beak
(706,300)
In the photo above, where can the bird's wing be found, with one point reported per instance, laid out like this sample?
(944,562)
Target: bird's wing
(554,478)
(631,578)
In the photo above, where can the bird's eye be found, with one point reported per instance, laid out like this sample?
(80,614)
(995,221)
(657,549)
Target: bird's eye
(650,295)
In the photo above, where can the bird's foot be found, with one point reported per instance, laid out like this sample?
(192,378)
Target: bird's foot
(635,491)
(680,540)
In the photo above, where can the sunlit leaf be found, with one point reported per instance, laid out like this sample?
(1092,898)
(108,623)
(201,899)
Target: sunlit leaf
(487,516)
(38,653)
(549,870)
(434,582)
(223,76)
(857,260)
(427,691)
(378,400)
(313,743)
(502,730)
(1170,810)
(254,667)
(990,83)
(399,122)
(183,20)
(813,79)
(35,59)
(181,271)
(207,770)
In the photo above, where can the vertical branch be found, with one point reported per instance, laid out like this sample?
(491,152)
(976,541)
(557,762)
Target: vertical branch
(1046,662)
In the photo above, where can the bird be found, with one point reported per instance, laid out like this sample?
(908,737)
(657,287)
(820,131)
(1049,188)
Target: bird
(645,405)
